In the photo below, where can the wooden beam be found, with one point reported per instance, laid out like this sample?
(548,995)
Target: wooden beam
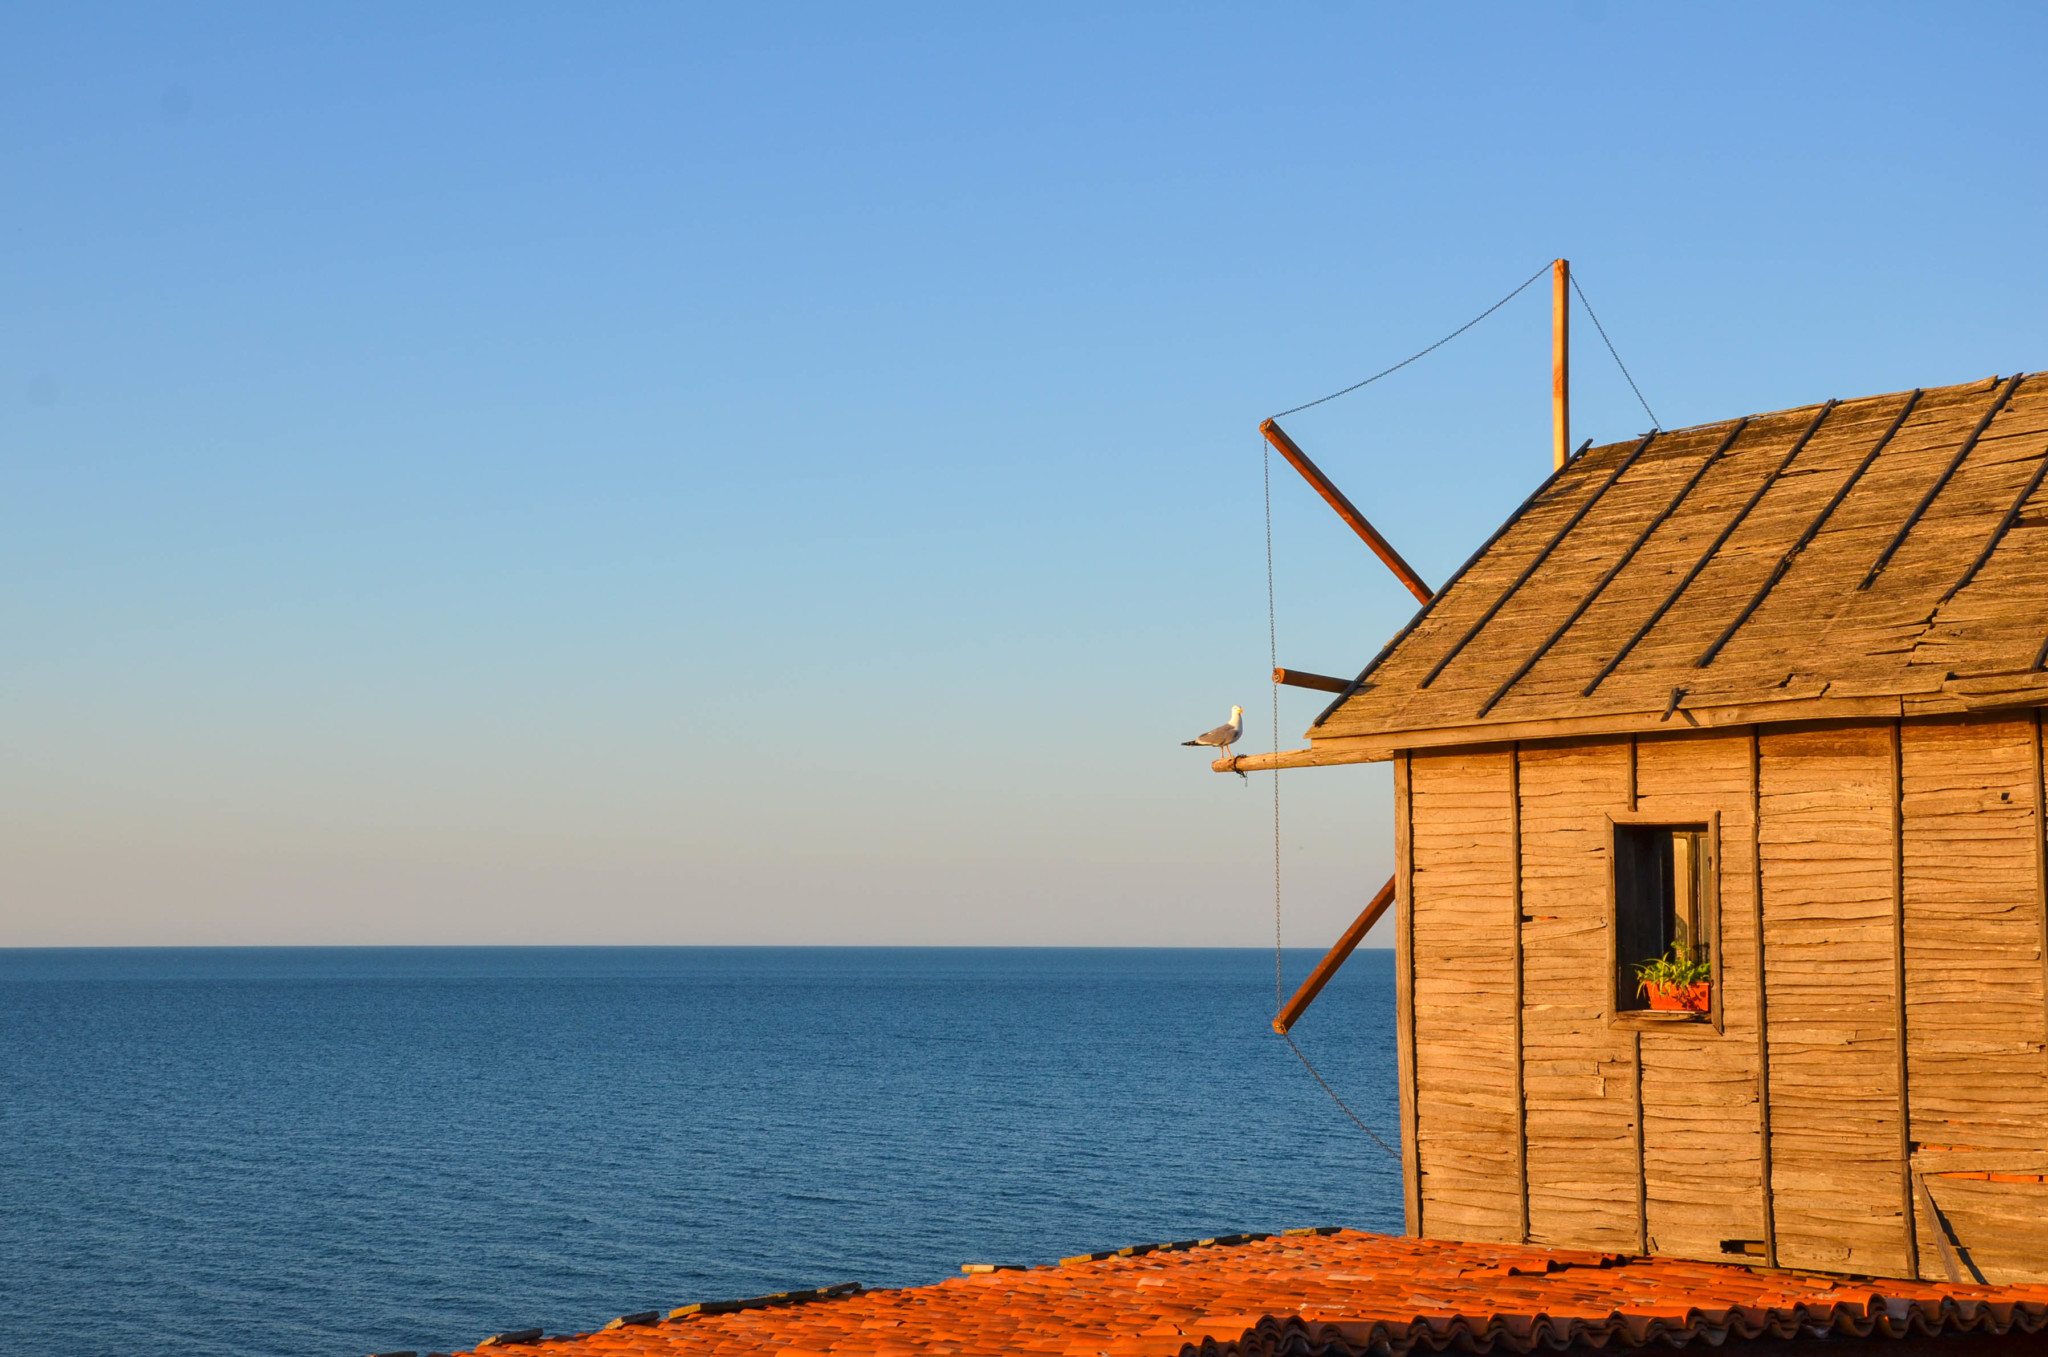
(1521,1053)
(1331,750)
(1404,993)
(1642,1165)
(1762,981)
(1295,758)
(1902,1074)
(1717,989)
(2041,859)
(1560,363)
(1334,958)
(1346,510)
(1339,747)
(1297,678)
(1941,1241)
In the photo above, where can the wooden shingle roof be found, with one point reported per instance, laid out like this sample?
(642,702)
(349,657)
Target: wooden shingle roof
(1880,556)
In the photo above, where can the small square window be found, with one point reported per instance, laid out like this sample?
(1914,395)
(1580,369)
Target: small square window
(1662,917)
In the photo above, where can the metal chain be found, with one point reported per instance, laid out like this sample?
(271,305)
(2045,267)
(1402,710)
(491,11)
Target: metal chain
(1273,657)
(1334,1098)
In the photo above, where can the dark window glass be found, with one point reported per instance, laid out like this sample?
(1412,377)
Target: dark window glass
(1660,876)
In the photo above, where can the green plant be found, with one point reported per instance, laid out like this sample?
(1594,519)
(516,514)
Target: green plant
(1677,968)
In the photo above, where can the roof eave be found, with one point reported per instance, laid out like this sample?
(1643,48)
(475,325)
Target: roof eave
(1955,698)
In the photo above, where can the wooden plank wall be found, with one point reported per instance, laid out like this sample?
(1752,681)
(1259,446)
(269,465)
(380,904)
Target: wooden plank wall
(1885,850)
(1974,1000)
(1702,1137)
(1828,876)
(1579,1075)
(1462,882)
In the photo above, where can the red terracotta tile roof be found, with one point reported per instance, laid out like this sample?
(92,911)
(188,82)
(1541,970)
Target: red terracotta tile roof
(1341,1292)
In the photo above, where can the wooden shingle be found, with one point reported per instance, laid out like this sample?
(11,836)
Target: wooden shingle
(1872,557)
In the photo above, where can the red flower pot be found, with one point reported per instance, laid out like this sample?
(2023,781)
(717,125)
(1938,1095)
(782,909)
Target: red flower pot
(1679,998)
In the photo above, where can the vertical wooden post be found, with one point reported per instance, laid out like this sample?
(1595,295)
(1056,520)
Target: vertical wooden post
(1521,1097)
(1906,1204)
(1763,1018)
(1642,1167)
(1632,774)
(1718,988)
(1404,989)
(1560,363)
(2041,859)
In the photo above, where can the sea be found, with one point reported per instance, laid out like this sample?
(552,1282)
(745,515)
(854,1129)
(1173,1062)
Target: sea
(298,1152)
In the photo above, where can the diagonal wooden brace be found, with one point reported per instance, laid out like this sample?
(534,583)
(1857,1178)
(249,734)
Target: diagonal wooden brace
(1334,958)
(1346,510)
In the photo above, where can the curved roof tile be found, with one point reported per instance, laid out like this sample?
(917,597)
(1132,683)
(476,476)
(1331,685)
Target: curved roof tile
(1340,1293)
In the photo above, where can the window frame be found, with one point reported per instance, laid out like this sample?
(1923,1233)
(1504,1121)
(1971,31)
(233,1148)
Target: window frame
(1710,911)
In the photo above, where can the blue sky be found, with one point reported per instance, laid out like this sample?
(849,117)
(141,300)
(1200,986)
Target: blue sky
(790,474)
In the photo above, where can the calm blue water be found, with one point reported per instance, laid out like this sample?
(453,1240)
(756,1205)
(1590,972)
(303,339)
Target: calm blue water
(341,1151)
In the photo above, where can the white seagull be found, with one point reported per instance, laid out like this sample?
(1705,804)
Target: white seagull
(1224,735)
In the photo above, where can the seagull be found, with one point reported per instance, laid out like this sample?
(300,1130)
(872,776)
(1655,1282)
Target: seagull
(1224,735)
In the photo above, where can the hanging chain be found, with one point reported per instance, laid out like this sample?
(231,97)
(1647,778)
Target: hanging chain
(1273,658)
(1341,1104)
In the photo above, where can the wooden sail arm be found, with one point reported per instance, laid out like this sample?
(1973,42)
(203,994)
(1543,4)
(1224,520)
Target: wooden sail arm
(1334,958)
(1326,757)
(1298,678)
(1346,510)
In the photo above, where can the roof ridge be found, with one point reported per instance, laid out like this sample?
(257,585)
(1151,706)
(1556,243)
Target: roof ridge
(1958,388)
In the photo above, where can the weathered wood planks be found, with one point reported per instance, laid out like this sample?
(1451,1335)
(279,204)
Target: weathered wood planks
(1897,873)
(1817,627)
(1514,924)
(1971,875)
(1702,1150)
(1462,843)
(1826,840)
(1578,1074)
(2002,1227)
